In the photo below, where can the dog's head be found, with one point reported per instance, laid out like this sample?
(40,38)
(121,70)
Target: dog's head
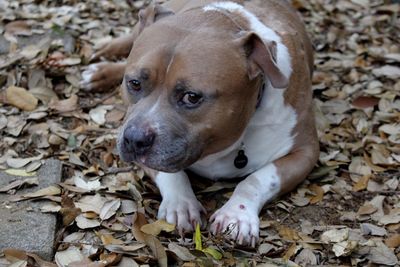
(192,83)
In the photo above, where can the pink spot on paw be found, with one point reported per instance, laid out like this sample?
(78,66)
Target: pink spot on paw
(242,207)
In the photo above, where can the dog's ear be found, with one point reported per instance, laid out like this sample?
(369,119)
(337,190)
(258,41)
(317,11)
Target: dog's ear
(262,59)
(151,14)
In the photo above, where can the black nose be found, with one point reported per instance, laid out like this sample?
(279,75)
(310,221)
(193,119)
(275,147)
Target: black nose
(138,140)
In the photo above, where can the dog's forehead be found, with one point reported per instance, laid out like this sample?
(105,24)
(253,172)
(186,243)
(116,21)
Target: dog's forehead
(201,57)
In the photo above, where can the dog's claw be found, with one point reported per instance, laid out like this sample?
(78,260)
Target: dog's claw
(184,212)
(241,226)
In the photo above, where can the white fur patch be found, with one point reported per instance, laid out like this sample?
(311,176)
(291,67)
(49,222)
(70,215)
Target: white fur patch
(267,34)
(88,73)
(179,204)
(240,213)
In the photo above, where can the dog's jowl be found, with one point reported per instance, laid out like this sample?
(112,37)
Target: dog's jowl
(221,88)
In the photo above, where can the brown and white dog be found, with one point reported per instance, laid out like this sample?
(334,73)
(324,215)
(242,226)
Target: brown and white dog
(221,88)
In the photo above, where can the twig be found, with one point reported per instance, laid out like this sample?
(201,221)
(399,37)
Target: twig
(119,170)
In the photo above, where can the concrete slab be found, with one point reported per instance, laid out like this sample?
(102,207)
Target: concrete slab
(22,225)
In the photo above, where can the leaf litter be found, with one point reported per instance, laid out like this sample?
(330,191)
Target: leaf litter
(346,213)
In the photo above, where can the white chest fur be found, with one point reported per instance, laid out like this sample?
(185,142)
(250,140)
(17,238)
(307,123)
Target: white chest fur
(269,133)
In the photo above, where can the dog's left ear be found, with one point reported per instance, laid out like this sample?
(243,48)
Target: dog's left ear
(151,14)
(262,59)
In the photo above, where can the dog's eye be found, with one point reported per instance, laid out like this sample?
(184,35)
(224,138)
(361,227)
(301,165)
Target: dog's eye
(191,99)
(135,85)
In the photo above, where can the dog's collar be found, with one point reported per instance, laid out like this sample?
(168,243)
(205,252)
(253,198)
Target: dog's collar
(260,95)
(241,159)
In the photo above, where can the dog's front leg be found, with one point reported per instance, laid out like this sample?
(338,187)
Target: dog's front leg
(239,216)
(179,204)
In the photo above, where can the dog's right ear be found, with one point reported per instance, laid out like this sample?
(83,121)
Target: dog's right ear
(151,14)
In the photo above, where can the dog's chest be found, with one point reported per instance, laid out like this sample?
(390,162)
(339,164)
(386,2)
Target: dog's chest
(267,138)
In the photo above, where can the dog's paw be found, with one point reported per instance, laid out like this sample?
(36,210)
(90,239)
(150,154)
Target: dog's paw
(184,212)
(238,221)
(102,76)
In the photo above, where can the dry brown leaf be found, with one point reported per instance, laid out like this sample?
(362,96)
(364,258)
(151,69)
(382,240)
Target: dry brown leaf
(156,227)
(361,184)
(291,251)
(367,209)
(318,191)
(288,233)
(48,191)
(21,98)
(65,105)
(393,241)
(154,244)
(365,102)
(108,239)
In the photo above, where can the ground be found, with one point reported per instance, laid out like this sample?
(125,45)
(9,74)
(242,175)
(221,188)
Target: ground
(347,213)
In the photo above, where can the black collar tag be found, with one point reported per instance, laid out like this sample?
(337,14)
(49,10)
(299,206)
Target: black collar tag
(241,160)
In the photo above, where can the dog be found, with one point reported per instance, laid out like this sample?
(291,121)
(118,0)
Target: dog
(220,88)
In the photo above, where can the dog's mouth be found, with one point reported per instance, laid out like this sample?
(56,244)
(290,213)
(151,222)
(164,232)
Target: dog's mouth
(164,156)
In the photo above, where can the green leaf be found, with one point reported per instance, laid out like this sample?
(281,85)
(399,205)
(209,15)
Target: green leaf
(197,238)
(213,252)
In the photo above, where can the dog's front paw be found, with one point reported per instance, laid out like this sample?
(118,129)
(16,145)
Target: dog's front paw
(184,211)
(102,76)
(237,220)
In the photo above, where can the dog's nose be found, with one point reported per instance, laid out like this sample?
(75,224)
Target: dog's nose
(138,140)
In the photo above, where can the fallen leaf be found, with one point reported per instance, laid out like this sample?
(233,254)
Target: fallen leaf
(344,248)
(335,235)
(17,172)
(91,203)
(151,241)
(109,209)
(85,223)
(291,251)
(381,254)
(98,113)
(125,249)
(64,258)
(47,191)
(389,219)
(82,183)
(306,257)
(181,252)
(21,98)
(361,184)
(318,193)
(66,105)
(127,262)
(213,252)
(288,233)
(197,238)
(156,227)
(365,102)
(108,239)
(367,209)
(388,71)
(370,229)
(393,241)
(18,183)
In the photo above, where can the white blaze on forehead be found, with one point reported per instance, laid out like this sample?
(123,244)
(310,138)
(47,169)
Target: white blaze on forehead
(267,34)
